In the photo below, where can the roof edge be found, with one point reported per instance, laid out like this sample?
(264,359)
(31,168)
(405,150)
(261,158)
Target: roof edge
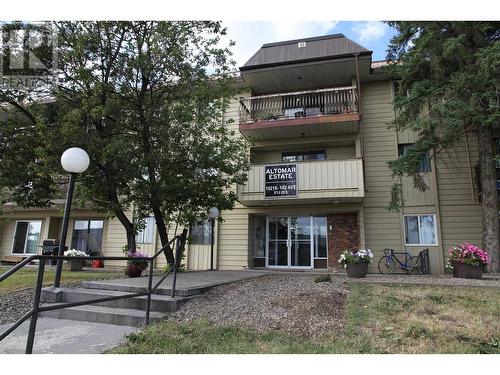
(268,65)
(310,39)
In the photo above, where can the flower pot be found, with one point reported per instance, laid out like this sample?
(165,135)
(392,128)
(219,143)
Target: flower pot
(97,263)
(72,265)
(357,270)
(467,271)
(134,270)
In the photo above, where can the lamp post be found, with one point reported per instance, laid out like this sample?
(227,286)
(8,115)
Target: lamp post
(213,214)
(74,160)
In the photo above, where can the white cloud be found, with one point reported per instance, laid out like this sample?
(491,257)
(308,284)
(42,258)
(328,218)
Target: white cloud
(369,31)
(249,36)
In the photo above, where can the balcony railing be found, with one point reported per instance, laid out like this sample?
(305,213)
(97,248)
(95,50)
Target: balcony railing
(331,101)
(316,181)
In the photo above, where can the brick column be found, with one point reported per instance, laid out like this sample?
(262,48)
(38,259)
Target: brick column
(343,234)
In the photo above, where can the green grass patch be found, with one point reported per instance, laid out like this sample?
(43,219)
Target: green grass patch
(379,319)
(26,277)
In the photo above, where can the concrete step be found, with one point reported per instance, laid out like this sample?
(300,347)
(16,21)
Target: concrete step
(159,303)
(115,286)
(102,314)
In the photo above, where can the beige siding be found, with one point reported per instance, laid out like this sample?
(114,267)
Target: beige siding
(319,179)
(461,215)
(382,228)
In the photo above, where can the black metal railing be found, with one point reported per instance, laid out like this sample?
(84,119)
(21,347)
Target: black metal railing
(298,104)
(180,242)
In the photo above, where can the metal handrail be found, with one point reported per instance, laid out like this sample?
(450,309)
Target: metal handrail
(180,242)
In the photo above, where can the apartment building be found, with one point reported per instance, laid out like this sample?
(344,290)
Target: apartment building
(315,112)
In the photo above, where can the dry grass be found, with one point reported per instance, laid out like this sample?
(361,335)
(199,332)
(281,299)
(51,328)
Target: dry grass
(426,319)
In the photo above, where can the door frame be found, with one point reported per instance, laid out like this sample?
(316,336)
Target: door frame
(289,243)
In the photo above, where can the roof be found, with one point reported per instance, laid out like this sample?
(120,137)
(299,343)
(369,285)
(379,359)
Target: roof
(306,49)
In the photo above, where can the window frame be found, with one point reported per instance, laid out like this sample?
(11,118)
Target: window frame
(423,162)
(203,223)
(302,154)
(419,232)
(88,231)
(142,232)
(26,237)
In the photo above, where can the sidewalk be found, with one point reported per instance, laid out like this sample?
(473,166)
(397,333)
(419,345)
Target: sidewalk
(59,336)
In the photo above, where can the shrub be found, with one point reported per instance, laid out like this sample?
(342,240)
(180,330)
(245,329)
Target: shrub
(323,279)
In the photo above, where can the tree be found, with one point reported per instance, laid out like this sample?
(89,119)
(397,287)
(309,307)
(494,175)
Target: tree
(139,97)
(448,76)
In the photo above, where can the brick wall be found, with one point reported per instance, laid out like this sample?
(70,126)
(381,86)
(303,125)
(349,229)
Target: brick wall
(343,234)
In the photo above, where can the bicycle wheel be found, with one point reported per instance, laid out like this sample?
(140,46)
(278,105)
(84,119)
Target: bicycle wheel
(386,265)
(411,267)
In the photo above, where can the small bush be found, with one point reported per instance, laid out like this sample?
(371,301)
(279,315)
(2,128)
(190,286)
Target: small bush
(323,279)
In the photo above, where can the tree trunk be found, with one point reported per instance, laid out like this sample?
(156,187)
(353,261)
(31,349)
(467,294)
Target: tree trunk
(163,232)
(129,230)
(489,196)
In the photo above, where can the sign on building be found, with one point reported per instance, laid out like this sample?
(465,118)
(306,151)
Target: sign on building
(280,180)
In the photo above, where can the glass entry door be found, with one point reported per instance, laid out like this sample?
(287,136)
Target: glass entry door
(289,241)
(277,241)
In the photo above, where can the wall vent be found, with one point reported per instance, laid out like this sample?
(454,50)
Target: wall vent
(302,44)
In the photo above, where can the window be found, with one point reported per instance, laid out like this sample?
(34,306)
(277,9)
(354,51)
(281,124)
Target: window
(425,163)
(320,239)
(201,233)
(146,234)
(26,237)
(87,236)
(420,230)
(303,155)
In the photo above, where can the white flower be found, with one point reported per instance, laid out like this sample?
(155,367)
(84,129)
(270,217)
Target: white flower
(75,253)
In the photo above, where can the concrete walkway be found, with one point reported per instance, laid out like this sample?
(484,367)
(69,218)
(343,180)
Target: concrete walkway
(60,336)
(188,283)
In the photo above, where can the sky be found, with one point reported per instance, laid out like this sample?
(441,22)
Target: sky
(249,36)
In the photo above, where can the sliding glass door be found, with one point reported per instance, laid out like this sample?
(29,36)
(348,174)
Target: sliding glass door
(26,237)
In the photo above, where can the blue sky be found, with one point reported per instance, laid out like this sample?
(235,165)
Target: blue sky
(250,35)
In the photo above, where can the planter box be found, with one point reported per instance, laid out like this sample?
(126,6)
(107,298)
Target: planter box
(467,271)
(357,270)
(72,265)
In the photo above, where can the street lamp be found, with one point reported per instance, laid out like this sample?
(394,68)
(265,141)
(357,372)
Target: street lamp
(74,160)
(213,214)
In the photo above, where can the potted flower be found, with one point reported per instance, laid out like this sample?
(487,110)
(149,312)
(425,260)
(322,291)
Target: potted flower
(356,262)
(74,265)
(136,264)
(467,260)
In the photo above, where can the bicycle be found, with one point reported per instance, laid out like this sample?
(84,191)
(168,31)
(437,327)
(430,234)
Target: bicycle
(387,263)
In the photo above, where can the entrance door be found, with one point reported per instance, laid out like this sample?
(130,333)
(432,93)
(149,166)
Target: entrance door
(277,241)
(289,241)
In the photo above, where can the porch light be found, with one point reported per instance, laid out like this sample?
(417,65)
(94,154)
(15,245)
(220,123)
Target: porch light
(213,214)
(74,160)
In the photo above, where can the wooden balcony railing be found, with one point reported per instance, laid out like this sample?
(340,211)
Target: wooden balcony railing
(298,104)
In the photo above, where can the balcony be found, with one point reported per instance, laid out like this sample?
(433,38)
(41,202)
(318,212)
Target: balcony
(304,113)
(330,181)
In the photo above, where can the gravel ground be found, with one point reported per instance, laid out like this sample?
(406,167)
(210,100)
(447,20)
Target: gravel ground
(14,305)
(293,304)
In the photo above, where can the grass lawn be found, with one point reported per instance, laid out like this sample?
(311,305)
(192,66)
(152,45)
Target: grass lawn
(26,278)
(379,319)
